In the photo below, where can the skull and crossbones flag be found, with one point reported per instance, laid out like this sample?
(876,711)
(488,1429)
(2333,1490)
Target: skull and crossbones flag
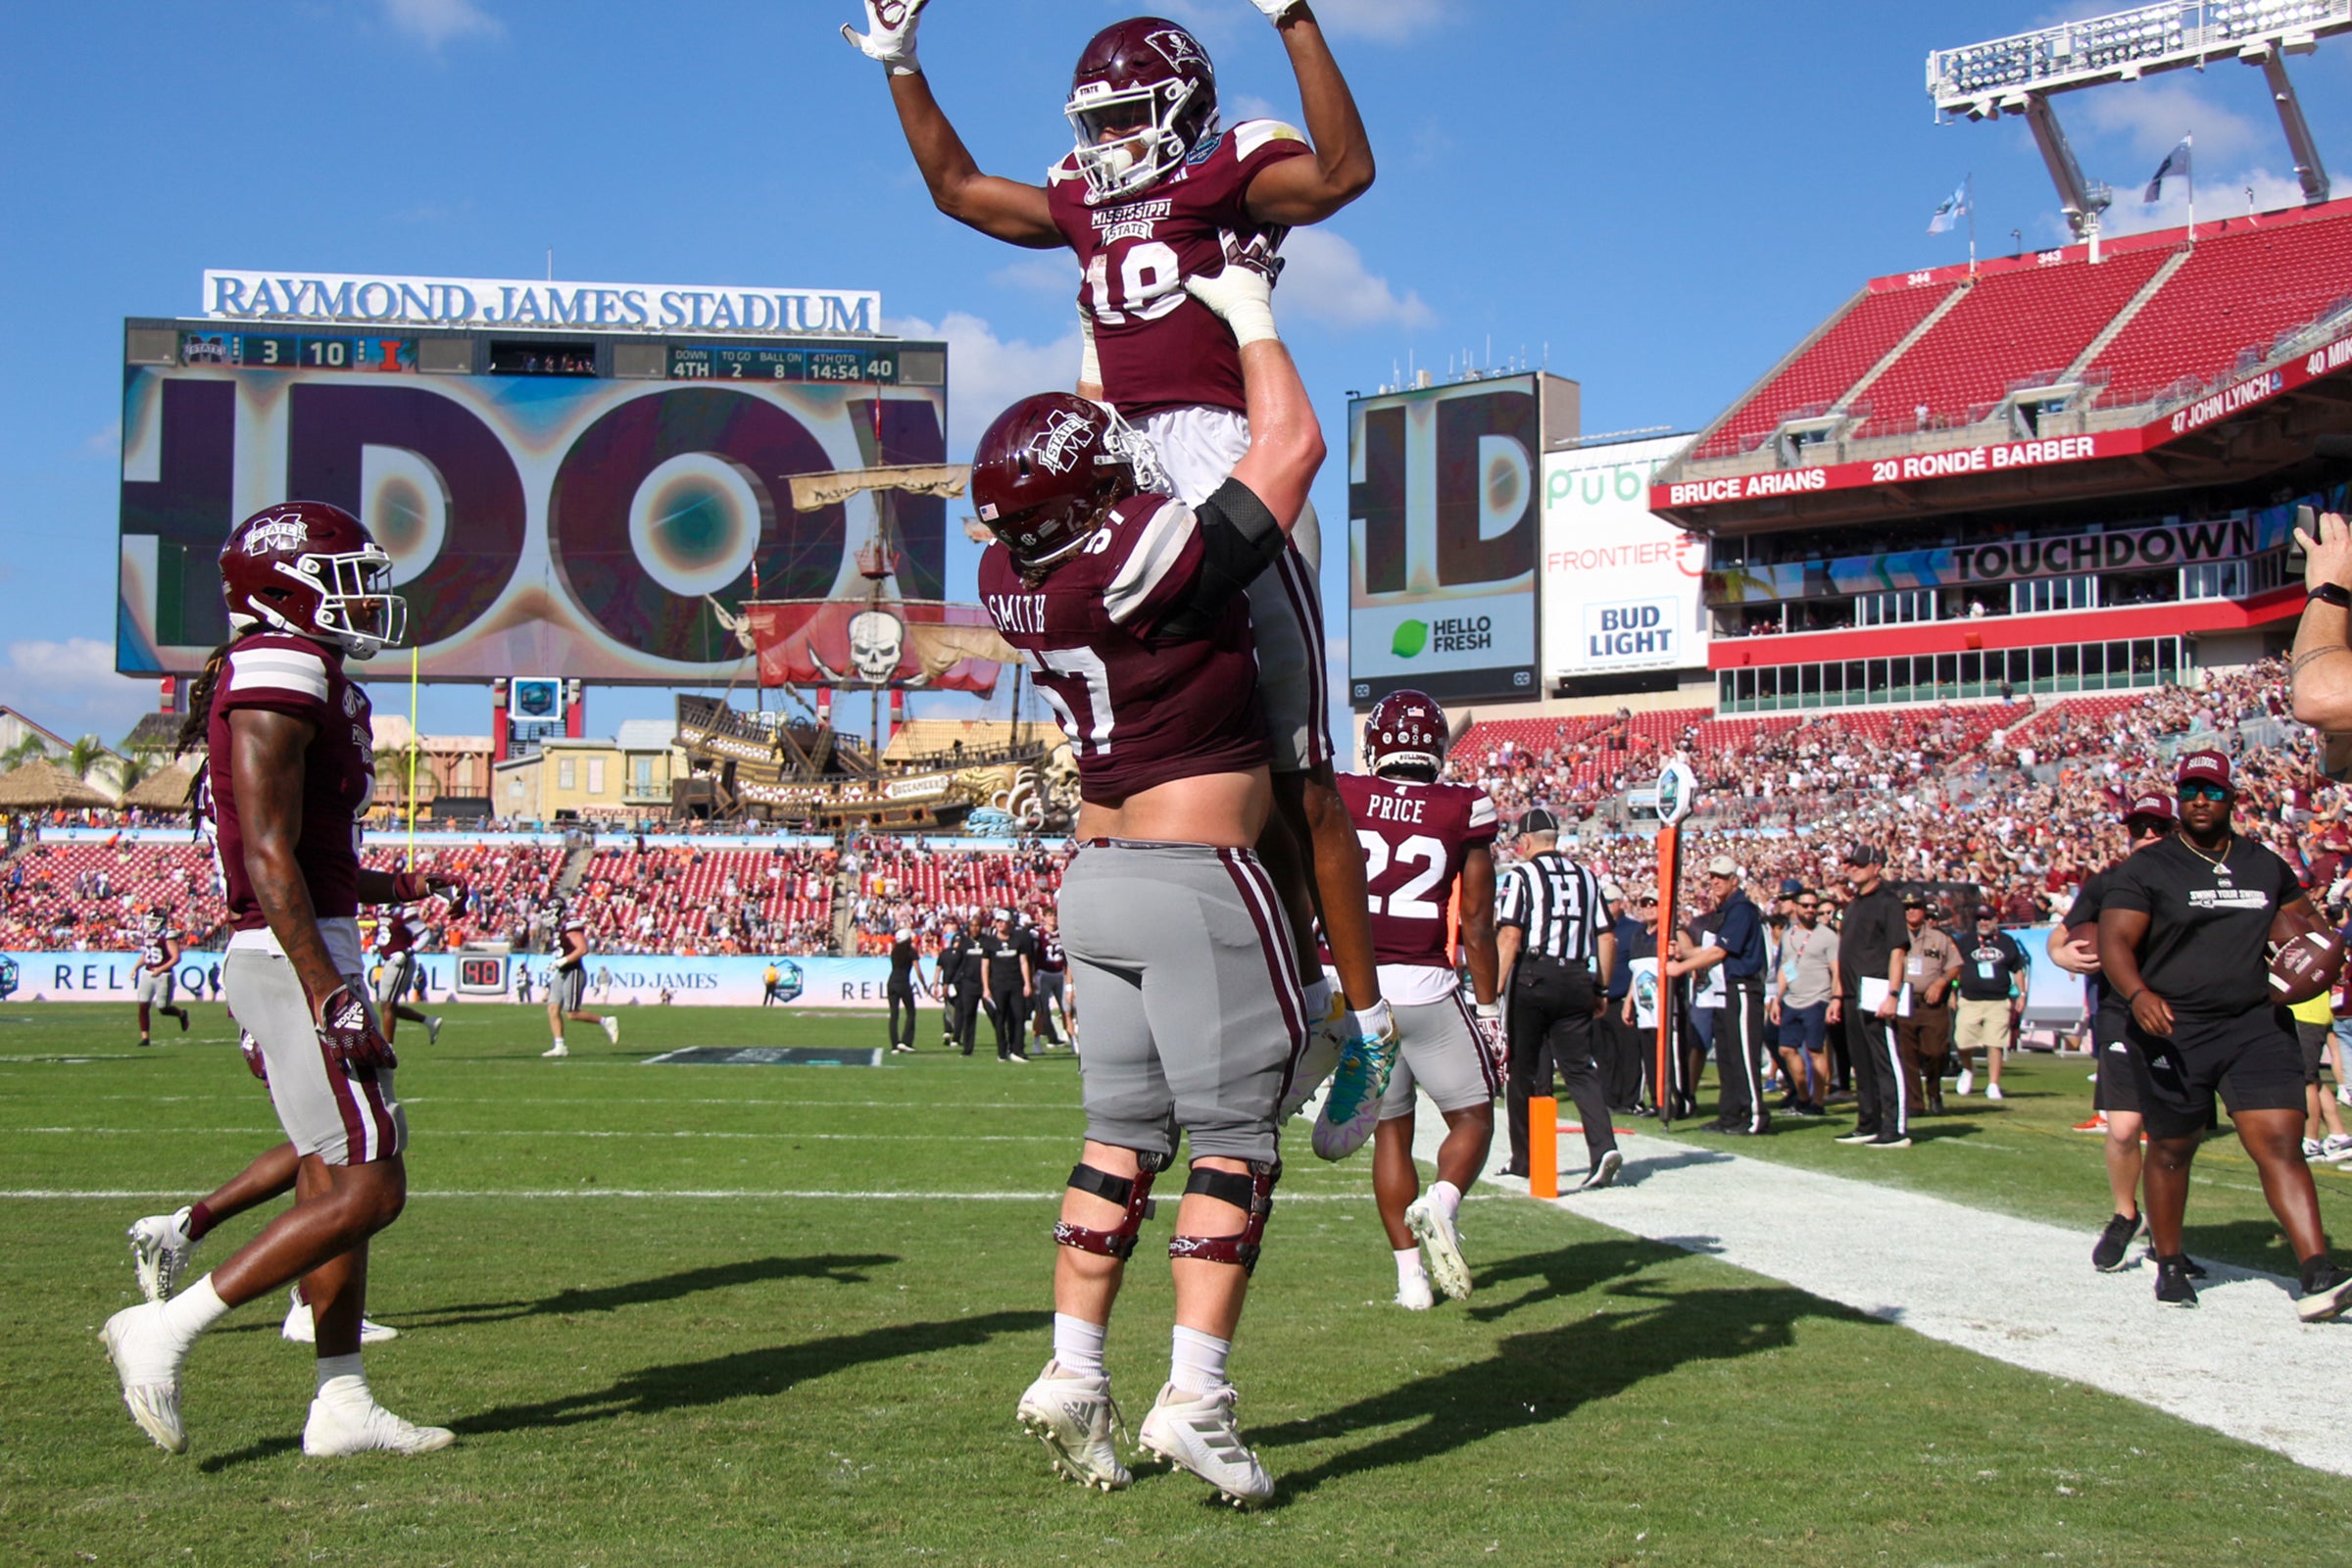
(914,644)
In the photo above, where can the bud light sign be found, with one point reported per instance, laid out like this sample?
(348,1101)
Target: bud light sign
(1632,634)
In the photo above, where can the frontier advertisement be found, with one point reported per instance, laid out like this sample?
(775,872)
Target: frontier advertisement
(1445,514)
(1621,586)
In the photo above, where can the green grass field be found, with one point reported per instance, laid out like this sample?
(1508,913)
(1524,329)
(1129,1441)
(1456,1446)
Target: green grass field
(766,1376)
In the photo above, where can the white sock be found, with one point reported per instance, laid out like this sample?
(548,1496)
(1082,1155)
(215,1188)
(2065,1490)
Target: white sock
(559,1042)
(1197,1364)
(193,1310)
(1318,998)
(1409,1266)
(340,1379)
(1446,1199)
(1078,1344)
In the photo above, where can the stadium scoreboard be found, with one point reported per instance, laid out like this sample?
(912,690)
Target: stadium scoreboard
(569,477)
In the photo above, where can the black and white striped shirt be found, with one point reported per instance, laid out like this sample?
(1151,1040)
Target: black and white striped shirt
(1556,904)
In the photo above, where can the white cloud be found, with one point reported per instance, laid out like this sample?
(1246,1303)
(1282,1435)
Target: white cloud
(1326,281)
(2153,116)
(434,23)
(1047,271)
(2218,197)
(987,372)
(70,687)
(1250,106)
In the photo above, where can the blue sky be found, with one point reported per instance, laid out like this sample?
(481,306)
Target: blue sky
(1657,198)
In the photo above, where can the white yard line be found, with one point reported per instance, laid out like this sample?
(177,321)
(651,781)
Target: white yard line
(2016,1289)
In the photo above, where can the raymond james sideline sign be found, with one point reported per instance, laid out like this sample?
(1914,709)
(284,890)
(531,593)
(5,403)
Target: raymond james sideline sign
(366,300)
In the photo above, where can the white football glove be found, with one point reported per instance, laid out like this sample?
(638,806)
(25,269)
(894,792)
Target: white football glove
(1242,298)
(1277,10)
(1489,1033)
(891,35)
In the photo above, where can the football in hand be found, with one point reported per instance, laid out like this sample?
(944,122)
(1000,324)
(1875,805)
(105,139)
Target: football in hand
(2305,965)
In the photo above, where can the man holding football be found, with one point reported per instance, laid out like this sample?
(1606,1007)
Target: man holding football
(1155,193)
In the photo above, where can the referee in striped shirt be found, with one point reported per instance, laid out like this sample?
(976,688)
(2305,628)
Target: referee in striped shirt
(1554,939)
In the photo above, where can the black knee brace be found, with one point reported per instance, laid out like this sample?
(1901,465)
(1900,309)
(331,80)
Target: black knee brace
(1133,1194)
(1253,1194)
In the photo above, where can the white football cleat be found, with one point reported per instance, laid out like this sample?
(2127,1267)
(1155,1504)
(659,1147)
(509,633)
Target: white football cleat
(148,1363)
(1317,1059)
(557,1050)
(299,1329)
(612,1026)
(432,1031)
(1442,1244)
(1413,1293)
(1074,1417)
(160,1249)
(339,1428)
(1198,1433)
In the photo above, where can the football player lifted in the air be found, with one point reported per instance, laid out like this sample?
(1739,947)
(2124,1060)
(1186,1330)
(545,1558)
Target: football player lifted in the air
(158,952)
(1157,192)
(1422,838)
(1131,605)
(290,774)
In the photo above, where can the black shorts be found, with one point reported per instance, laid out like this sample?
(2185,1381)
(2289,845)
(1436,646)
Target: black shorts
(2253,1060)
(2314,1038)
(2118,1088)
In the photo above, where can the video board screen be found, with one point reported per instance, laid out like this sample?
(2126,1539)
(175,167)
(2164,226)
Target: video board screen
(546,514)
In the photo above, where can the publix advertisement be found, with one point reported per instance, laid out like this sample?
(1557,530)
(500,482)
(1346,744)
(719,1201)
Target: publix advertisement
(1621,586)
(615,980)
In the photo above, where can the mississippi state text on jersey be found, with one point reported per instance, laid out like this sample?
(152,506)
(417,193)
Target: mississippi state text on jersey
(293,676)
(1160,346)
(1139,708)
(1415,839)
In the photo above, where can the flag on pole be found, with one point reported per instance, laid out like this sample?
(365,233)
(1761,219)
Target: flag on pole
(1953,209)
(2175,165)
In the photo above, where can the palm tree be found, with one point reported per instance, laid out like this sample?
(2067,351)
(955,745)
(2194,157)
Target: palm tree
(30,749)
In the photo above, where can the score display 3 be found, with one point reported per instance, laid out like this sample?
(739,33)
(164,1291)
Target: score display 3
(298,350)
(701,362)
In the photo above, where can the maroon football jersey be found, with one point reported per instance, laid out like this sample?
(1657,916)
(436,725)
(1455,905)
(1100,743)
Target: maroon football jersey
(1160,346)
(296,676)
(1415,839)
(1140,709)
(398,932)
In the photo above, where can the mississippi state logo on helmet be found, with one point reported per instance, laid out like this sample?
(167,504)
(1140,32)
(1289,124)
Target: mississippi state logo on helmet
(312,569)
(1143,98)
(1407,729)
(1044,471)
(155,921)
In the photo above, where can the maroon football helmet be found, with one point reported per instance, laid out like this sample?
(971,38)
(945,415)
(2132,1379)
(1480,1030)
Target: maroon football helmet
(312,569)
(1406,728)
(1143,98)
(1044,472)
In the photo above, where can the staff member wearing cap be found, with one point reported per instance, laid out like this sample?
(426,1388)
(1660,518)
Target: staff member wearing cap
(1993,992)
(1553,942)
(2182,939)
(1007,952)
(1923,1033)
(2115,1097)
(1733,941)
(1872,944)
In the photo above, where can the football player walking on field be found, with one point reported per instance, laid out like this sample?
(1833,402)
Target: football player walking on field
(158,952)
(1157,192)
(290,776)
(1421,839)
(567,984)
(1130,604)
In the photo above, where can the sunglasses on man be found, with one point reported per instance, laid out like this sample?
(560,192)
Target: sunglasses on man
(2204,792)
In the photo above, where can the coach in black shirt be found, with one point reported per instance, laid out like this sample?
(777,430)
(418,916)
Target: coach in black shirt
(963,973)
(1631,1053)
(1872,944)
(1006,951)
(1735,932)
(2181,941)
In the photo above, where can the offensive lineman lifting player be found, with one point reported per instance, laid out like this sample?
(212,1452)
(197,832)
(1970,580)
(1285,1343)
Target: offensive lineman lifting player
(291,772)
(1130,606)
(1421,837)
(1156,193)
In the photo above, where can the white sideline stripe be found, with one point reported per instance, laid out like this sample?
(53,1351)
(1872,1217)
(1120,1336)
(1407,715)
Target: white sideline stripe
(2015,1289)
(566,1131)
(790,1193)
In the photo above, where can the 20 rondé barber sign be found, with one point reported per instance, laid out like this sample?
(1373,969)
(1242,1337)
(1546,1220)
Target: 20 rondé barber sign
(2002,456)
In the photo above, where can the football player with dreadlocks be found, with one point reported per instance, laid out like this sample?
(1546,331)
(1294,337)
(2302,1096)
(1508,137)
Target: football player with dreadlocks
(1130,606)
(1159,191)
(1422,839)
(289,775)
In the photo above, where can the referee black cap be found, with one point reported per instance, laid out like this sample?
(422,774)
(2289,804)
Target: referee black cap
(1538,819)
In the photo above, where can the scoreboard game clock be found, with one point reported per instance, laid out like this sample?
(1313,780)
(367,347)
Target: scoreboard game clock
(697,362)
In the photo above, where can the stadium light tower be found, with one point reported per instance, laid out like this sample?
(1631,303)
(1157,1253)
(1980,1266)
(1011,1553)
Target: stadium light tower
(2018,75)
